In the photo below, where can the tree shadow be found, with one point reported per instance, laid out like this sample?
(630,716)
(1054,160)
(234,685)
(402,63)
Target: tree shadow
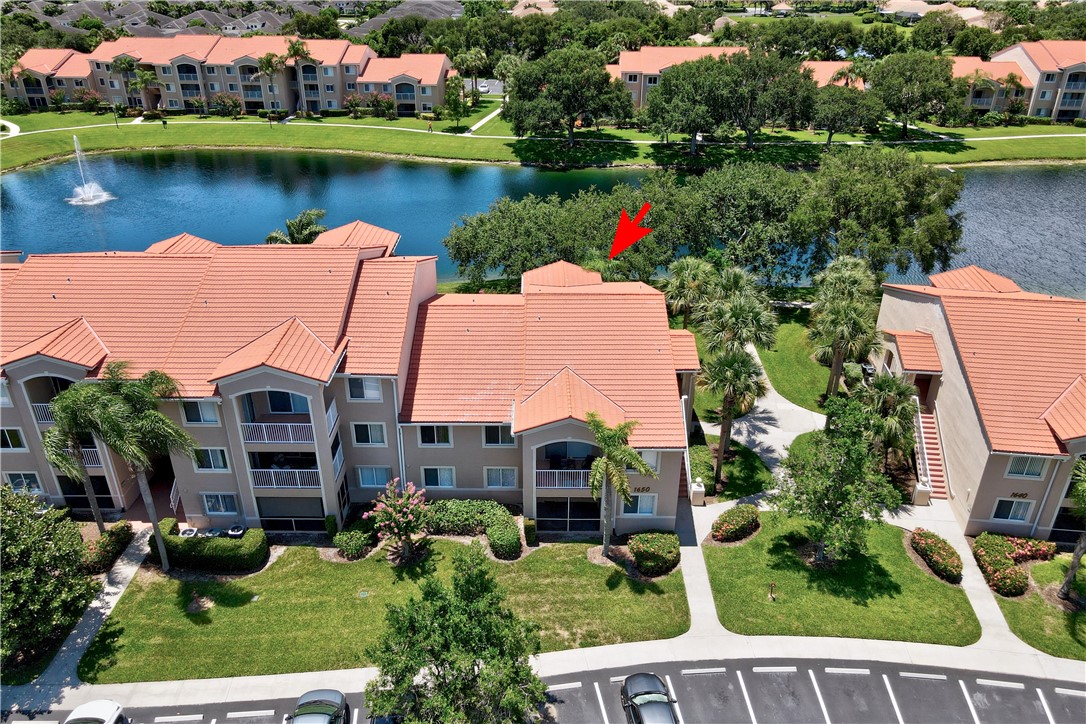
(556,153)
(951,147)
(103,651)
(425,563)
(859,579)
(618,578)
(192,598)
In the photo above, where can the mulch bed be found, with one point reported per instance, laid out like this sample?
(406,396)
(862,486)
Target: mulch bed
(808,553)
(621,557)
(1050,593)
(709,541)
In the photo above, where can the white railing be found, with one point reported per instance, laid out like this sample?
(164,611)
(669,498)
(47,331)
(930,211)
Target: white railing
(277,432)
(923,482)
(1071,103)
(337,463)
(285,478)
(331,415)
(1075,85)
(43,413)
(982,101)
(561,478)
(91,458)
(175,497)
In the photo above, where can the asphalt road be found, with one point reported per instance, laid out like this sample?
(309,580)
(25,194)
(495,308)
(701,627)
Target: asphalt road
(804,692)
(495,85)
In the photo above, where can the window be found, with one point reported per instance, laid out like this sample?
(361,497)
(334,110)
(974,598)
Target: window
(498,435)
(1045,95)
(201,413)
(328,71)
(500,477)
(212,70)
(640,505)
(273,88)
(275,105)
(366,87)
(329,88)
(286,403)
(97,66)
(211,458)
(101,81)
(364,388)
(60,83)
(373,476)
(351,86)
(439,477)
(427,107)
(1050,77)
(229,70)
(11,438)
(652,457)
(78,83)
(386,88)
(212,87)
(1007,509)
(5,395)
(220,503)
(172,103)
(1025,467)
(435,435)
(369,433)
(109,68)
(113,84)
(631,78)
(167,70)
(425,90)
(330,104)
(24,482)
(652,80)
(169,87)
(233,87)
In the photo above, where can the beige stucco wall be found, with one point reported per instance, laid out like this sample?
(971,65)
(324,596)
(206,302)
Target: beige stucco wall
(352,411)
(469,456)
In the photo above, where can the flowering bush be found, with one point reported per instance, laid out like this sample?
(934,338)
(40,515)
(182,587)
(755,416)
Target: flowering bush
(940,556)
(1010,582)
(400,515)
(100,554)
(997,555)
(736,523)
(654,553)
(1031,549)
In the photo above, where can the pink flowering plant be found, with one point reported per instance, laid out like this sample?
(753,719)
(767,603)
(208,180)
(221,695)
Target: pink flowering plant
(998,556)
(400,515)
(940,556)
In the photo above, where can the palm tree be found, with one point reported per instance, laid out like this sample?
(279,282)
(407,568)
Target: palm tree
(688,281)
(609,469)
(144,79)
(1078,498)
(297,51)
(471,62)
(737,377)
(302,229)
(736,321)
(843,328)
(891,401)
(268,66)
(848,277)
(856,73)
(126,66)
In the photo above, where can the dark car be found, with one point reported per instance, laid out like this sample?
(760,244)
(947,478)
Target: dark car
(646,700)
(322,706)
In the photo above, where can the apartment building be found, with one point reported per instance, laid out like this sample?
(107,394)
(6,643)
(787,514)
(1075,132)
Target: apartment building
(1001,375)
(312,375)
(989,89)
(415,80)
(1056,69)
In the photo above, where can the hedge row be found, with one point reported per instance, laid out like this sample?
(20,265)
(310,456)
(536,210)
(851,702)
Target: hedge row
(100,554)
(218,555)
(736,523)
(473,517)
(940,556)
(998,556)
(531,536)
(654,552)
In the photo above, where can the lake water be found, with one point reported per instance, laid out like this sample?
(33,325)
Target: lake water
(1023,222)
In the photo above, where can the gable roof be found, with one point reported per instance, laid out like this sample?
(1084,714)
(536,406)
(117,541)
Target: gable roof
(653,59)
(157,51)
(823,71)
(966,65)
(560,274)
(184,243)
(566,396)
(1067,415)
(43,60)
(916,351)
(1055,54)
(684,349)
(289,347)
(358,235)
(426,68)
(973,278)
(74,342)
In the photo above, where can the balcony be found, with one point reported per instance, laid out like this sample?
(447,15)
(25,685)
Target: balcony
(564,479)
(405,96)
(337,463)
(982,102)
(285,478)
(263,432)
(248,77)
(43,413)
(312,94)
(187,76)
(35,91)
(309,77)
(91,457)
(1075,85)
(252,94)
(1071,103)
(190,94)
(331,416)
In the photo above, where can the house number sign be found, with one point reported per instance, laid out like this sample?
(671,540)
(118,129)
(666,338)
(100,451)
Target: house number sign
(641,489)
(1019,495)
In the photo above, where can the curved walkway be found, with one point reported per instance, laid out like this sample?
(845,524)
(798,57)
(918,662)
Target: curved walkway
(12,131)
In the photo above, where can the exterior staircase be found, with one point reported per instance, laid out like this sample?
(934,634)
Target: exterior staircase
(933,453)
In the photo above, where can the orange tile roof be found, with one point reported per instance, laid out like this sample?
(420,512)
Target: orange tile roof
(917,351)
(1056,54)
(973,278)
(229,50)
(1020,351)
(652,59)
(43,60)
(426,68)
(157,51)
(290,347)
(559,274)
(685,350)
(77,66)
(965,66)
(358,234)
(566,396)
(183,244)
(1067,415)
(823,71)
(74,342)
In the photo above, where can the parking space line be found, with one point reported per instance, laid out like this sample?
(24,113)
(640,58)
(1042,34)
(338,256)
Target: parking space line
(354,717)
(250,714)
(912,675)
(1002,684)
(746,697)
(285,717)
(617,679)
(773,669)
(893,699)
(1044,703)
(834,670)
(181,717)
(969,701)
(818,692)
(1070,692)
(562,687)
(675,699)
(599,697)
(695,672)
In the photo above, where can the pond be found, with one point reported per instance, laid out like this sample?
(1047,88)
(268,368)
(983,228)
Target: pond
(1024,222)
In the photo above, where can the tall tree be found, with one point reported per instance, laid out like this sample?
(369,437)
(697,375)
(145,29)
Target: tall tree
(564,86)
(841,108)
(302,229)
(890,401)
(689,99)
(126,66)
(737,314)
(457,653)
(297,51)
(1077,494)
(470,63)
(268,66)
(755,86)
(688,282)
(844,329)
(737,377)
(910,83)
(936,31)
(506,67)
(883,39)
(455,105)
(144,80)
(607,476)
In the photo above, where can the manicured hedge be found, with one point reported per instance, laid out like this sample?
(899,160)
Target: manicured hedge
(1010,582)
(736,523)
(1079,123)
(218,555)
(654,552)
(472,517)
(531,536)
(330,525)
(940,556)
(998,556)
(356,539)
(99,555)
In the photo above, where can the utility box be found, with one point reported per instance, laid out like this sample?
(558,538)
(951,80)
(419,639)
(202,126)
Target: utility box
(922,492)
(697,493)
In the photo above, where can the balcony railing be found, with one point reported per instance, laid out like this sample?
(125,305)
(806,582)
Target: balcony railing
(285,478)
(561,478)
(43,413)
(982,101)
(91,457)
(187,76)
(247,77)
(337,463)
(35,91)
(923,478)
(312,94)
(252,94)
(331,416)
(311,77)
(405,96)
(1071,103)
(300,432)
(1076,85)
(190,94)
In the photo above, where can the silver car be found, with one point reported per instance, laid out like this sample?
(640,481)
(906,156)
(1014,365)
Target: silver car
(322,706)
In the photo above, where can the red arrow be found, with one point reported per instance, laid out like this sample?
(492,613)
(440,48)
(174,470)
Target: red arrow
(628,232)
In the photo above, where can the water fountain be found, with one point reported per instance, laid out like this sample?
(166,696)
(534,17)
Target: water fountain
(88,193)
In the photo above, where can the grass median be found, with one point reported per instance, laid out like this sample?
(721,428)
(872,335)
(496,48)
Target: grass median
(789,364)
(1039,622)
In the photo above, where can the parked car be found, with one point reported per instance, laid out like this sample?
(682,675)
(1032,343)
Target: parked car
(322,706)
(101,711)
(646,700)
(484,87)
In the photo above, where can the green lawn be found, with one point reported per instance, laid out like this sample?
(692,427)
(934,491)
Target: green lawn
(789,365)
(1040,624)
(745,473)
(997,131)
(882,595)
(307,614)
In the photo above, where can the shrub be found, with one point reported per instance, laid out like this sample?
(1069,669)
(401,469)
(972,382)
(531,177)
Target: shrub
(854,375)
(993,554)
(99,555)
(1080,123)
(997,556)
(330,525)
(940,556)
(1031,549)
(355,539)
(13,106)
(701,466)
(133,113)
(504,538)
(531,537)
(217,555)
(472,517)
(1010,582)
(1038,121)
(152,116)
(262,113)
(335,112)
(654,552)
(736,523)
